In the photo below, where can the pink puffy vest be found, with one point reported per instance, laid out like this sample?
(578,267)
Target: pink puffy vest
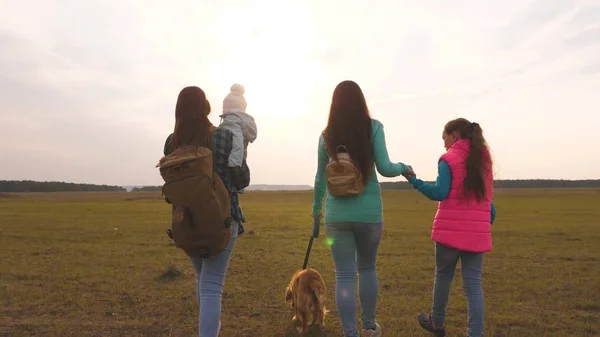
(459,223)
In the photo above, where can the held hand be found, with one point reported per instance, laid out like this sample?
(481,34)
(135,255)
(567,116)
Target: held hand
(316,226)
(409,174)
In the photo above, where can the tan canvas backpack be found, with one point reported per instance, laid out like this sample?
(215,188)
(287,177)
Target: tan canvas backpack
(201,212)
(343,177)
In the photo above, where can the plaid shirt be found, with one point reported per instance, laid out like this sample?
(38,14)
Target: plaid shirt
(222,143)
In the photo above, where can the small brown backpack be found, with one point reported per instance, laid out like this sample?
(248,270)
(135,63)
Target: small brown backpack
(344,179)
(201,209)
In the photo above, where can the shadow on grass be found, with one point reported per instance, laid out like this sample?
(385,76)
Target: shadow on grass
(171,274)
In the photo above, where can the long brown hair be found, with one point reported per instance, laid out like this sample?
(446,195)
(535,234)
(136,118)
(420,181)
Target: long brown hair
(479,160)
(349,125)
(192,126)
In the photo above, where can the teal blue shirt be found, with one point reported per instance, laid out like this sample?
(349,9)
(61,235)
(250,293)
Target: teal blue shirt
(440,190)
(366,207)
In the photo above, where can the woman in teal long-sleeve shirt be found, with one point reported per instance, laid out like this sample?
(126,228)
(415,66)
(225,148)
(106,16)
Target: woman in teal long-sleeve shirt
(354,224)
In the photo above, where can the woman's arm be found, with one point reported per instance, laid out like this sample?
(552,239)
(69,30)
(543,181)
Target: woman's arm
(382,159)
(438,191)
(320,184)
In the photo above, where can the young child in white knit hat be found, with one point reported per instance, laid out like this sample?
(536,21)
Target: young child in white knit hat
(242,126)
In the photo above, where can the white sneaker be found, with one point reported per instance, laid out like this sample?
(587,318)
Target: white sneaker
(371,332)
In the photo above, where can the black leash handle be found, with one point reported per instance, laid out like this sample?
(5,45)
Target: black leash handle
(308,248)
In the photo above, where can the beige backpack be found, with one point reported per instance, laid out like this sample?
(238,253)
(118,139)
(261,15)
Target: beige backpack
(201,214)
(343,177)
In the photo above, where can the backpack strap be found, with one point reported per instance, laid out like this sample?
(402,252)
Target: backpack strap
(211,130)
(168,147)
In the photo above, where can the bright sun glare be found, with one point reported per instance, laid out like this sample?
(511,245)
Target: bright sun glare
(272,64)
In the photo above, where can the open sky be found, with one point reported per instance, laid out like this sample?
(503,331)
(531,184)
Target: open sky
(88,88)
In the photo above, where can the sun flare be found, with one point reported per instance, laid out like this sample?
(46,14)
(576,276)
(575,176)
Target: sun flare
(274,65)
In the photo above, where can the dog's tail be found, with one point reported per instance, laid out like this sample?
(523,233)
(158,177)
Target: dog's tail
(318,294)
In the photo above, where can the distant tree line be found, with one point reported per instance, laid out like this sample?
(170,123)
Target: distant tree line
(514,183)
(508,183)
(57,186)
(54,186)
(147,189)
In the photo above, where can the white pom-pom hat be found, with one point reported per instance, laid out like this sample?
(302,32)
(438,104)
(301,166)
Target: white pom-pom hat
(235,101)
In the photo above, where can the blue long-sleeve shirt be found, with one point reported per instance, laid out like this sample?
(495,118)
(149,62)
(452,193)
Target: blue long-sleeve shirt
(440,190)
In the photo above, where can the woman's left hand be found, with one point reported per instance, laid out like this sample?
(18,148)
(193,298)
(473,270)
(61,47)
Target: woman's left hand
(316,226)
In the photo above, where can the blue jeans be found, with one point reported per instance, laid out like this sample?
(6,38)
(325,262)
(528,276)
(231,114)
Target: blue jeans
(210,277)
(354,248)
(472,263)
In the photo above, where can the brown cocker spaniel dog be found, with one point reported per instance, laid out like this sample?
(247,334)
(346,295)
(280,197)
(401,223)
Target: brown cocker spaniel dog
(306,293)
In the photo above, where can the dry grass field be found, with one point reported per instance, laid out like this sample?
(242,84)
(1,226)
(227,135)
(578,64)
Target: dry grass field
(100,264)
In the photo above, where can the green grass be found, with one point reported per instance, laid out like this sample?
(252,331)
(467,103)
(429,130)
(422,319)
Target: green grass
(99,264)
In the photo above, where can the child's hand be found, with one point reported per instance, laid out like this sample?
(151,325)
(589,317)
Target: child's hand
(410,174)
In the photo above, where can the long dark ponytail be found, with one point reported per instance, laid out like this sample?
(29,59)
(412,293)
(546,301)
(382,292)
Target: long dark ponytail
(479,160)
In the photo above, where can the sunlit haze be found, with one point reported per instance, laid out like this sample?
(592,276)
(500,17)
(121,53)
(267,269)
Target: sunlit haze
(88,88)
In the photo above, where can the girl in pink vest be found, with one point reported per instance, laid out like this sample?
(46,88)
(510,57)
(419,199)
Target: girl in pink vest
(462,223)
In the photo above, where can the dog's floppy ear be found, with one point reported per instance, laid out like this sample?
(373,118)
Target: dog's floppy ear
(288,295)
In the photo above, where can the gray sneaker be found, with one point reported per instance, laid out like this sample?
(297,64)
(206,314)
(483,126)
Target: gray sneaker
(371,332)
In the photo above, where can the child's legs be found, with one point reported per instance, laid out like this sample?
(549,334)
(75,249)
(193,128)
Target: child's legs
(210,277)
(445,265)
(367,237)
(472,264)
(343,249)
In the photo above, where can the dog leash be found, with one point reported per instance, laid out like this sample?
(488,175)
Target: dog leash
(309,247)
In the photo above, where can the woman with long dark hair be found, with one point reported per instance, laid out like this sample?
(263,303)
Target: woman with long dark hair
(192,127)
(354,223)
